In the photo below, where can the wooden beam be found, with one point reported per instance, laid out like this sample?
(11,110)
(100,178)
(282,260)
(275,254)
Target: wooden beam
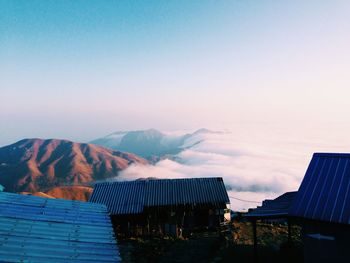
(289,231)
(255,241)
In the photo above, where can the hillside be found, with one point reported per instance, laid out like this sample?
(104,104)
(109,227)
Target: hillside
(40,194)
(36,165)
(81,193)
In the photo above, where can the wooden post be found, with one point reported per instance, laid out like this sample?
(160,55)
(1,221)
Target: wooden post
(255,242)
(148,227)
(289,231)
(128,231)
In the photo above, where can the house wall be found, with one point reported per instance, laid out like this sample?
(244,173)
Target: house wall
(326,242)
(169,220)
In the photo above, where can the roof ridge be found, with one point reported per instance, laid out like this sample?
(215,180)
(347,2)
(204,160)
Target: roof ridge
(160,179)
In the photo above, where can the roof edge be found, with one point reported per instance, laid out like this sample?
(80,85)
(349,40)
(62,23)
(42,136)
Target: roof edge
(320,154)
(165,179)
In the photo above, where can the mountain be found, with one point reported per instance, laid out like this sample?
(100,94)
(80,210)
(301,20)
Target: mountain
(150,143)
(40,194)
(145,143)
(36,165)
(81,193)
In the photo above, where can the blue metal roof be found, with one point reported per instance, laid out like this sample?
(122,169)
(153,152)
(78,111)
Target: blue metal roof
(35,229)
(324,193)
(276,208)
(133,196)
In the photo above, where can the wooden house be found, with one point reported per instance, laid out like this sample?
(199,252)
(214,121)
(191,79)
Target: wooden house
(272,211)
(167,206)
(322,204)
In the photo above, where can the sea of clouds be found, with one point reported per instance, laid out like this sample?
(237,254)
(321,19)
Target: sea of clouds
(257,162)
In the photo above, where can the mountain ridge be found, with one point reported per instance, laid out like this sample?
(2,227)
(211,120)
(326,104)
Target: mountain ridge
(33,165)
(150,144)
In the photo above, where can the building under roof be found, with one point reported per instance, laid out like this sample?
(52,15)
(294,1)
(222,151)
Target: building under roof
(174,203)
(133,197)
(35,229)
(324,193)
(277,208)
(323,205)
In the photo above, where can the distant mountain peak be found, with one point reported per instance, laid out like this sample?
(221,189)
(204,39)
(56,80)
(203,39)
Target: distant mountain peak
(204,130)
(151,144)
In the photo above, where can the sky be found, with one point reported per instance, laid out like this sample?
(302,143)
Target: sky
(82,69)
(274,75)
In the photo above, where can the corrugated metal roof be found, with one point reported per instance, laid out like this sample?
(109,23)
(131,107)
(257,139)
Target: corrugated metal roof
(324,193)
(133,196)
(35,229)
(278,207)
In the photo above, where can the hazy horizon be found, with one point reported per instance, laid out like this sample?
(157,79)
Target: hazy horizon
(256,162)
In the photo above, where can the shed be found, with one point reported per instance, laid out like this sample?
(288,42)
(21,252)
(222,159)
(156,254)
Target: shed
(277,208)
(323,205)
(165,204)
(35,229)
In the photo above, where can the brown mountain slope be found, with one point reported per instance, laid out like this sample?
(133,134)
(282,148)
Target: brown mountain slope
(81,193)
(33,165)
(40,194)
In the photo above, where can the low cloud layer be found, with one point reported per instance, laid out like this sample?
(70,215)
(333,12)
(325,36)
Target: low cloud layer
(254,165)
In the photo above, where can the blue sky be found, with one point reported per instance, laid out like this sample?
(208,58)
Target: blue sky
(82,69)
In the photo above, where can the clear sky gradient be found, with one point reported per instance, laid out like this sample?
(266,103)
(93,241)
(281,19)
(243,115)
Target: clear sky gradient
(82,69)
